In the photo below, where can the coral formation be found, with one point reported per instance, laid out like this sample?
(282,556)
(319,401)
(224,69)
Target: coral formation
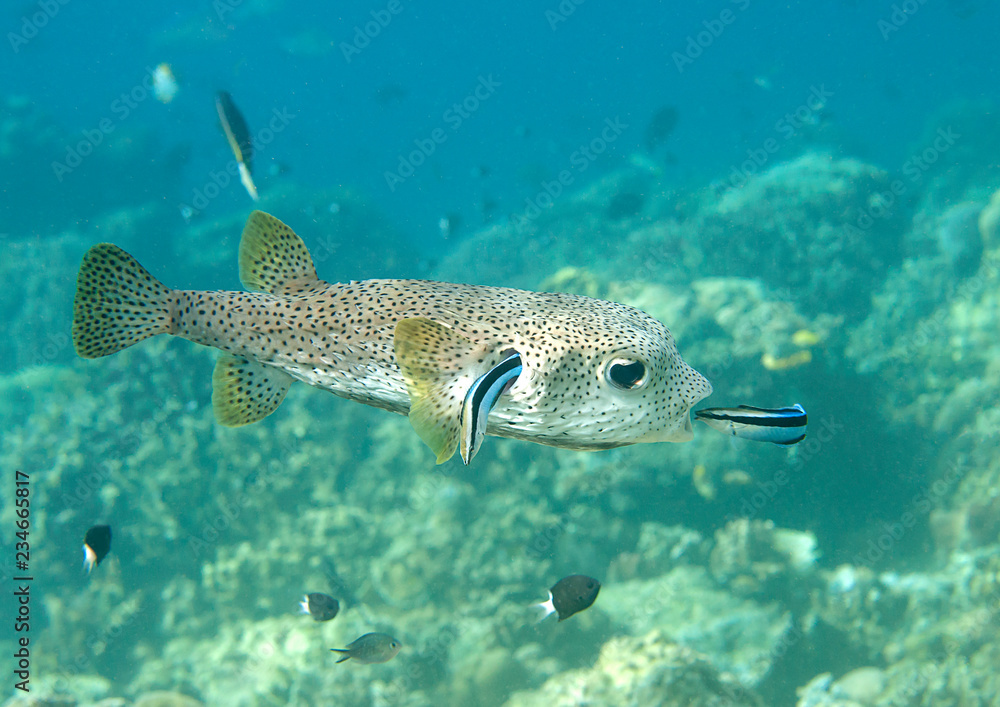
(859,568)
(647,670)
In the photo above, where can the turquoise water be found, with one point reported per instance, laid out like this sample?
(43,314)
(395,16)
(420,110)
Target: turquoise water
(806,195)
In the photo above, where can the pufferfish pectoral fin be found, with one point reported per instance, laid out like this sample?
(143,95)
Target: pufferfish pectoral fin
(246,391)
(438,365)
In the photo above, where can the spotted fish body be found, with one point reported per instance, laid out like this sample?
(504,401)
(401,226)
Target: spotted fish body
(596,374)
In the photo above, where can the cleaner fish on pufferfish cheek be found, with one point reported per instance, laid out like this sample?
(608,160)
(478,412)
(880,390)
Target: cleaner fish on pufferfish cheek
(593,374)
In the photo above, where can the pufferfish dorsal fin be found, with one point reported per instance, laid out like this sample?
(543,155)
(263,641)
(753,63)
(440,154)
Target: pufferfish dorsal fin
(246,391)
(274,259)
(438,365)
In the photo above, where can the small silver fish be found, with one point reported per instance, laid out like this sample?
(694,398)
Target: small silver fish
(595,374)
(784,426)
(371,648)
(480,399)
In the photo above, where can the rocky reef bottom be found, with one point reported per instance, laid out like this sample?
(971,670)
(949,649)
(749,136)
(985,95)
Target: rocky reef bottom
(859,568)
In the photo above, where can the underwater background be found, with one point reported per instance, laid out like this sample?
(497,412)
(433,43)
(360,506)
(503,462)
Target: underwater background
(807,194)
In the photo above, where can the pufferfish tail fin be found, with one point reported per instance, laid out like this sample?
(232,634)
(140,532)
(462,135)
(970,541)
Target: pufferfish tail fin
(117,304)
(274,259)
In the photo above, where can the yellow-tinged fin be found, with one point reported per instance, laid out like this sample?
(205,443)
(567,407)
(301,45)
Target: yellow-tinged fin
(438,366)
(274,259)
(117,304)
(245,391)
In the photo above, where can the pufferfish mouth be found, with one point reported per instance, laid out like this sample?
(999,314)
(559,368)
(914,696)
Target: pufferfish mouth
(682,431)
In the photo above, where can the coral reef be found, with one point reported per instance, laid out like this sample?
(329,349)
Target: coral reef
(858,568)
(648,670)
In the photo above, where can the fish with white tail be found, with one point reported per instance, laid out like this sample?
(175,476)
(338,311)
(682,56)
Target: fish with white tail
(593,374)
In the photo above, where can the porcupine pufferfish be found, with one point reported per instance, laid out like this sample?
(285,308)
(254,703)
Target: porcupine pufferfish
(595,374)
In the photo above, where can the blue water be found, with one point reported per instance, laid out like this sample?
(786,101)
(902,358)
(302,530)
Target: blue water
(559,79)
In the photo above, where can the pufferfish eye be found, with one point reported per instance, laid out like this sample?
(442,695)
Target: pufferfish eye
(625,373)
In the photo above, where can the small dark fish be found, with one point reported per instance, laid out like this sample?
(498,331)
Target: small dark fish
(96,546)
(784,426)
(570,595)
(371,648)
(238,135)
(480,399)
(322,607)
(660,126)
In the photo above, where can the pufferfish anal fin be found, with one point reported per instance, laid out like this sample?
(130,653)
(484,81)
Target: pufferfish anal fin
(438,365)
(274,259)
(246,391)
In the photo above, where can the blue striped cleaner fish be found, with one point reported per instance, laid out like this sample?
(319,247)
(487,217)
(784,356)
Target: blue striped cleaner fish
(480,399)
(594,374)
(784,426)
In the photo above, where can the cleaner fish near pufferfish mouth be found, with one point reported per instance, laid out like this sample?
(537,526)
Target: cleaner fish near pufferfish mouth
(595,374)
